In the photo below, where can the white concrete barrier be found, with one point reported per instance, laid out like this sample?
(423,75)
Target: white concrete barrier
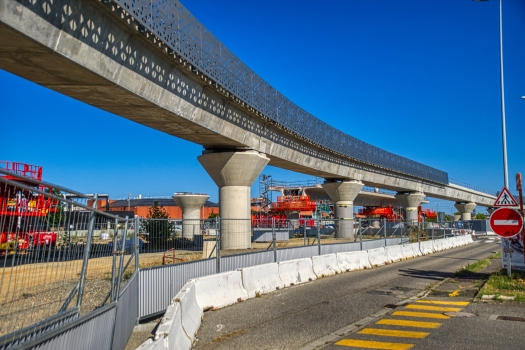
(170,329)
(377,256)
(296,271)
(436,245)
(190,309)
(415,248)
(220,290)
(151,344)
(351,261)
(261,279)
(452,242)
(469,239)
(408,251)
(426,247)
(394,253)
(325,265)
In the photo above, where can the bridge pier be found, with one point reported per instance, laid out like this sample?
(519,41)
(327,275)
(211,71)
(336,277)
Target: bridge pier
(343,193)
(410,202)
(491,210)
(234,173)
(465,209)
(190,205)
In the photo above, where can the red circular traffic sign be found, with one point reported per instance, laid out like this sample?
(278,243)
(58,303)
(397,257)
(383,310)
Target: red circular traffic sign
(506,222)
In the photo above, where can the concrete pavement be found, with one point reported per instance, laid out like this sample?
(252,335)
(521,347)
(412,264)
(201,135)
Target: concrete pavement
(295,317)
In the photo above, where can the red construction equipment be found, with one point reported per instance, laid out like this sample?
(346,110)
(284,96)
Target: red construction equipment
(293,203)
(170,259)
(17,204)
(380,213)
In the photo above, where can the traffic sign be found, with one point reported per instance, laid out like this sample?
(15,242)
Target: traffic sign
(505,199)
(506,222)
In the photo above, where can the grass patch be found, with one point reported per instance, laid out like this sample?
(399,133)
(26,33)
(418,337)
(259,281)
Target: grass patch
(495,256)
(473,268)
(499,284)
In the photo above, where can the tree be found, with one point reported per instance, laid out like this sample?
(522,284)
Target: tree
(480,216)
(457,213)
(213,215)
(55,217)
(158,226)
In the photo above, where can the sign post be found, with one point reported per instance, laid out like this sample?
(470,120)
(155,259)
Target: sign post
(520,193)
(506,224)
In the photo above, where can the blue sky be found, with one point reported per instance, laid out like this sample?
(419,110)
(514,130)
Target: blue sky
(417,78)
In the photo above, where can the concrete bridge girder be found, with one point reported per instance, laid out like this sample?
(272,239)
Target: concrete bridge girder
(81,49)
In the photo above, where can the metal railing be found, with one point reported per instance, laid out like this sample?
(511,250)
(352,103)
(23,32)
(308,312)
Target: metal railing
(184,36)
(472,187)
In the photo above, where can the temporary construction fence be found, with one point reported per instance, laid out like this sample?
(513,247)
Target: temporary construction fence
(74,272)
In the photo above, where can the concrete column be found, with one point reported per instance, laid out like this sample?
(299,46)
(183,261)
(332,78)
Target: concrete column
(343,193)
(234,173)
(190,205)
(293,217)
(410,202)
(465,209)
(491,210)
(456,218)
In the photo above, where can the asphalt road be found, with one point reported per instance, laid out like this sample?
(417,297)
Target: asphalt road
(299,316)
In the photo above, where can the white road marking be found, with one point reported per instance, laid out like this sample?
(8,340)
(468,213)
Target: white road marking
(506,222)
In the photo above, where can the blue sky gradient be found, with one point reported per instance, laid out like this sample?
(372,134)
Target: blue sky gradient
(417,78)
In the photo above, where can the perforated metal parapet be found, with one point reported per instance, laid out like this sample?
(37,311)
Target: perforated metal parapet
(185,35)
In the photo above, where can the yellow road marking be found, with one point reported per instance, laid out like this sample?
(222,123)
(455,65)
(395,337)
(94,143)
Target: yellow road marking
(458,303)
(420,314)
(453,294)
(374,344)
(433,308)
(393,333)
(410,323)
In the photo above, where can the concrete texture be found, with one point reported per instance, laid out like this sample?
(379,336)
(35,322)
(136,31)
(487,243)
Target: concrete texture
(465,210)
(92,52)
(410,202)
(191,205)
(234,173)
(343,193)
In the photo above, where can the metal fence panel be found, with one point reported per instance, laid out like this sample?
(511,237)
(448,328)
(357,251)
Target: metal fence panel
(296,253)
(340,247)
(159,285)
(92,331)
(376,243)
(127,313)
(233,262)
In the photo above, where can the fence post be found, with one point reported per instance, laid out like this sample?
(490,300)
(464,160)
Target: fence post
(360,235)
(122,252)
(114,253)
(319,236)
(384,229)
(418,231)
(86,253)
(274,240)
(137,261)
(218,242)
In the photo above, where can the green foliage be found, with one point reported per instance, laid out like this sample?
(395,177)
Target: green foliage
(213,215)
(56,218)
(158,228)
(457,213)
(480,216)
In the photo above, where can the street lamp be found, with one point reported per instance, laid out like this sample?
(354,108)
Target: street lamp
(505,168)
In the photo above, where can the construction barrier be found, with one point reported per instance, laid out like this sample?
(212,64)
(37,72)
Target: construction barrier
(394,253)
(325,265)
(377,257)
(415,249)
(150,344)
(351,261)
(296,271)
(190,309)
(261,279)
(170,329)
(426,247)
(437,246)
(220,290)
(408,251)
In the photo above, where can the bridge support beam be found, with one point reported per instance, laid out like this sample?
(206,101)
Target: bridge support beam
(234,173)
(190,205)
(491,210)
(343,193)
(410,202)
(465,209)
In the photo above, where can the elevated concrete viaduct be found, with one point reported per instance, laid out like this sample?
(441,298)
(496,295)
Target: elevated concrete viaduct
(98,54)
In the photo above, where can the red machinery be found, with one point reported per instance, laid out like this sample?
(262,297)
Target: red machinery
(380,213)
(293,203)
(19,208)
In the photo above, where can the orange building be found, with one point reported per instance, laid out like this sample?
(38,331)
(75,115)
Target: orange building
(141,207)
